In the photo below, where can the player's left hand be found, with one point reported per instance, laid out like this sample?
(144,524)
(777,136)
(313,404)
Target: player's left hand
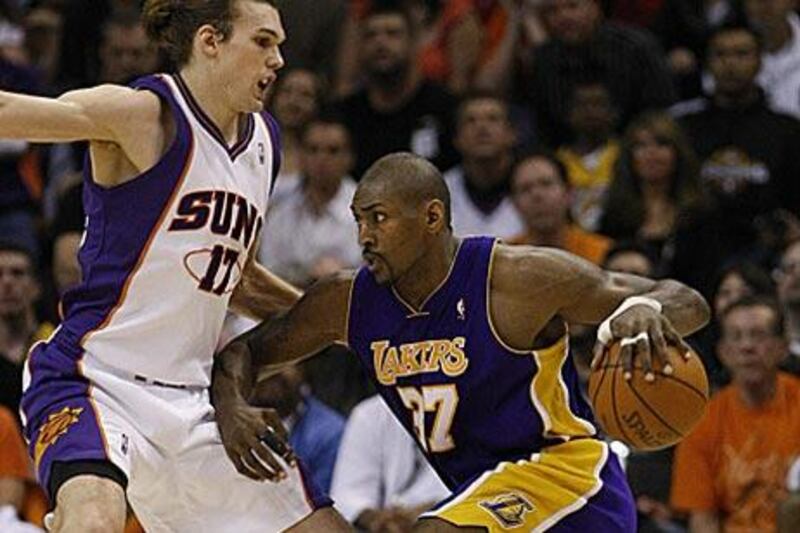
(644,335)
(253,437)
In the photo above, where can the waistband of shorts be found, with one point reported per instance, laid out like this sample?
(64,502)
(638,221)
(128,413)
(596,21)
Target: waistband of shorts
(95,363)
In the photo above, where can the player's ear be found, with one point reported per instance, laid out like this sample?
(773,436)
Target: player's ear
(207,39)
(435,216)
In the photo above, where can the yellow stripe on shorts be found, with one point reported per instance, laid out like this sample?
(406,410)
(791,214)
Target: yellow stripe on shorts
(530,495)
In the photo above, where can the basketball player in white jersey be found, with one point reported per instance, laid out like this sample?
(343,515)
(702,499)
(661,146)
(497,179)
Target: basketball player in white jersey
(177,181)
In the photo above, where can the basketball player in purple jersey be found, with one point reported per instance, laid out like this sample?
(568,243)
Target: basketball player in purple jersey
(180,166)
(466,340)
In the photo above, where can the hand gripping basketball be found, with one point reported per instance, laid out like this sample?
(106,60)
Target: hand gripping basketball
(644,334)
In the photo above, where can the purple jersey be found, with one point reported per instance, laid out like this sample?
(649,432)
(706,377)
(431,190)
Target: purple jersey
(470,400)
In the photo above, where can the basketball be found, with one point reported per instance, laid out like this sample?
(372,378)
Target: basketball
(648,415)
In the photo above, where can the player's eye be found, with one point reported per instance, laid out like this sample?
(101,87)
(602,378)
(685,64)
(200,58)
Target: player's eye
(379,217)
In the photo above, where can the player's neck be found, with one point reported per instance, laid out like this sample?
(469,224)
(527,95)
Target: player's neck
(428,274)
(205,90)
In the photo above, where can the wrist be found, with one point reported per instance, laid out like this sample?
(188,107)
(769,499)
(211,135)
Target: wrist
(604,334)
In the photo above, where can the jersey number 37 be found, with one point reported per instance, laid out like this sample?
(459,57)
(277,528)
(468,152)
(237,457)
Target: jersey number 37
(439,401)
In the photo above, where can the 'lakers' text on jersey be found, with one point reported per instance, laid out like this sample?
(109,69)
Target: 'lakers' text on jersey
(163,252)
(450,379)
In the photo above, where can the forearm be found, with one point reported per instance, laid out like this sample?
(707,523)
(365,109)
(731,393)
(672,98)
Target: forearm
(233,373)
(685,308)
(40,119)
(495,74)
(261,294)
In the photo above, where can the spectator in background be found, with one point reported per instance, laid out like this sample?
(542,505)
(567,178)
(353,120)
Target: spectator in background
(779,27)
(315,429)
(748,156)
(296,99)
(83,29)
(396,109)
(382,482)
(313,29)
(310,230)
(683,27)
(542,194)
(125,52)
(628,61)
(19,326)
(592,155)
(16,476)
(735,281)
(655,185)
(629,257)
(787,276)
(43,27)
(480,186)
(21,179)
(465,37)
(730,472)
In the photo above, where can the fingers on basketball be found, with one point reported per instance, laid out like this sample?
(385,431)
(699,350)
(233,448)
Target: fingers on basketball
(649,415)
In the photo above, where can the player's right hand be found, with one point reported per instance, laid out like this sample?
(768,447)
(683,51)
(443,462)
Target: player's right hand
(253,438)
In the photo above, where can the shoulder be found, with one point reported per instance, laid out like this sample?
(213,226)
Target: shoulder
(520,266)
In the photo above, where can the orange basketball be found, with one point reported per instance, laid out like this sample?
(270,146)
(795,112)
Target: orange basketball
(648,416)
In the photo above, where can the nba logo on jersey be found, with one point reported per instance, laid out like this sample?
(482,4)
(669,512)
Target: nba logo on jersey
(508,509)
(261,156)
(461,309)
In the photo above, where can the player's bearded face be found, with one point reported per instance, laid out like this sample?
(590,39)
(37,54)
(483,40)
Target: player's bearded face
(390,237)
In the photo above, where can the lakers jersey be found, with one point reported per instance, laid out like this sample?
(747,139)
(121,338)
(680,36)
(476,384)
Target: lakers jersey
(162,253)
(470,400)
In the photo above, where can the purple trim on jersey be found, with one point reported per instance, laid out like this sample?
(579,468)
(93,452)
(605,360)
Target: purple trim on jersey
(315,496)
(275,137)
(122,220)
(209,125)
(54,392)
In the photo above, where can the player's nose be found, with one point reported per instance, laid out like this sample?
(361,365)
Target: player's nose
(275,60)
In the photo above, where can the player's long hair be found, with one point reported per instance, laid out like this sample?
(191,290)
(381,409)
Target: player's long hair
(173,23)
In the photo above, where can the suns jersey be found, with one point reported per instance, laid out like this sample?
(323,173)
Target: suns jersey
(470,400)
(162,253)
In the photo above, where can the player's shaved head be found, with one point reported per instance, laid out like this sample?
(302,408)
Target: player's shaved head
(408,178)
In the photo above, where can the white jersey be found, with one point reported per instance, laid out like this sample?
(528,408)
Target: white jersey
(163,253)
(504,221)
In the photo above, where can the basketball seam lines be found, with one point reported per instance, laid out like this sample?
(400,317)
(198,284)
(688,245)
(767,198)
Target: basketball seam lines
(600,381)
(614,407)
(673,378)
(652,411)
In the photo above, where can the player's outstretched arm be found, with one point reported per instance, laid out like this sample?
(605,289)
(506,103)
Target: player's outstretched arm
(96,114)
(648,315)
(316,321)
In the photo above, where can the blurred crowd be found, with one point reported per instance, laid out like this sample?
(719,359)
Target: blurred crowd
(655,137)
